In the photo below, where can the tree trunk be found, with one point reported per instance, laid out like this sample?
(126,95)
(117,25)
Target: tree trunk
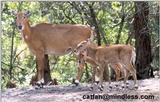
(143,41)
(11,56)
(121,24)
(95,24)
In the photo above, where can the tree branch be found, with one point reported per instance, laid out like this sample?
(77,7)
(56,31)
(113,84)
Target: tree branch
(95,24)
(68,17)
(19,54)
(121,24)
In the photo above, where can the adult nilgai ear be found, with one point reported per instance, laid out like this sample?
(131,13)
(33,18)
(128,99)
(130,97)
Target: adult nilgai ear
(14,12)
(27,13)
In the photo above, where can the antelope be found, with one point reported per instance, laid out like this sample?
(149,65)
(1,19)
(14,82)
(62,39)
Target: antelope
(105,57)
(82,58)
(46,38)
(81,63)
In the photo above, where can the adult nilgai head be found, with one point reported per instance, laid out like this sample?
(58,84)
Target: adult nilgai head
(21,18)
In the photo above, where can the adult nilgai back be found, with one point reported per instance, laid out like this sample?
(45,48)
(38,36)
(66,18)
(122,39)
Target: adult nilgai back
(45,38)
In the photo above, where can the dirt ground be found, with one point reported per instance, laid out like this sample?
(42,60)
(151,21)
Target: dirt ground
(149,90)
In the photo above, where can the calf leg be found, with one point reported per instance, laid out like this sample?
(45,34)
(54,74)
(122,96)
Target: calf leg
(124,74)
(117,70)
(99,77)
(93,73)
(80,72)
(133,72)
(109,72)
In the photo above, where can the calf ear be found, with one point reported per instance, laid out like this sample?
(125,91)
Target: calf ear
(14,12)
(81,54)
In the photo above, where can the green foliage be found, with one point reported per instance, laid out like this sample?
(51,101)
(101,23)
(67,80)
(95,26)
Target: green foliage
(116,6)
(64,68)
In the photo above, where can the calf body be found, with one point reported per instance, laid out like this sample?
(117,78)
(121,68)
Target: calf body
(82,58)
(113,54)
(105,57)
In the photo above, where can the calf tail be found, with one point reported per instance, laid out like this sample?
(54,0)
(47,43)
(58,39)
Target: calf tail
(133,57)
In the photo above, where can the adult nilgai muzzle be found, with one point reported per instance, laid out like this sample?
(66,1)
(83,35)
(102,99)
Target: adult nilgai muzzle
(20,27)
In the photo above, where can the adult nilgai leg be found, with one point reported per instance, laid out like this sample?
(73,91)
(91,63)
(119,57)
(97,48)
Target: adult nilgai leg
(47,74)
(40,72)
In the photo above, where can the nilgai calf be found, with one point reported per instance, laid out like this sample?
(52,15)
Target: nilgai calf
(105,57)
(83,58)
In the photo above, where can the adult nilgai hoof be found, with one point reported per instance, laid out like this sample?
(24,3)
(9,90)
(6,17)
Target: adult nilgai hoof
(96,82)
(76,82)
(39,85)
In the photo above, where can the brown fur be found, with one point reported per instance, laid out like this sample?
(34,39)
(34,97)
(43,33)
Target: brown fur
(112,55)
(119,57)
(81,63)
(56,39)
(82,58)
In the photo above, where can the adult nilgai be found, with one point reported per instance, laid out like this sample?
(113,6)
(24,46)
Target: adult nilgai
(45,38)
